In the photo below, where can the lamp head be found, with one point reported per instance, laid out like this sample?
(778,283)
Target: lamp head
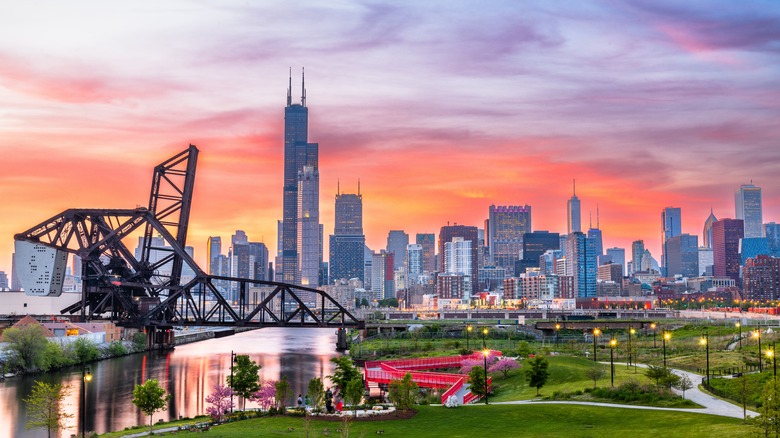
(485,331)
(653,326)
(596,331)
(632,330)
(486,352)
(557,326)
(703,341)
(87,375)
(613,343)
(469,328)
(667,336)
(737,325)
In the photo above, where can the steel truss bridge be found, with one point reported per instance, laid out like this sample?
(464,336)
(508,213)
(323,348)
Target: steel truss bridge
(148,291)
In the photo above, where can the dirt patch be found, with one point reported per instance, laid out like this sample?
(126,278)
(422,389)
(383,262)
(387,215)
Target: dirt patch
(395,415)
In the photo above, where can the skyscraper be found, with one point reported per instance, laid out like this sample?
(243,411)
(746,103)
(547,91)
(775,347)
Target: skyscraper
(534,245)
(506,226)
(707,232)
(447,234)
(428,243)
(213,251)
(671,226)
(617,256)
(573,212)
(581,264)
(298,152)
(682,255)
(397,241)
(725,248)
(347,243)
(309,248)
(637,253)
(747,200)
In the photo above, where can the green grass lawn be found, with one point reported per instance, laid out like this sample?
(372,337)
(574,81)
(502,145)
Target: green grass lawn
(504,421)
(567,374)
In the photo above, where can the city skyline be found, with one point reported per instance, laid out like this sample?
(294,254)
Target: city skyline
(440,110)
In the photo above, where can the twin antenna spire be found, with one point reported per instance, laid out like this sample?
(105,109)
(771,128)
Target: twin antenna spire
(338,187)
(303,89)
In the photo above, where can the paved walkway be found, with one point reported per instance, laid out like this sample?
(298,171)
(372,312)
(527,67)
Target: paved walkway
(712,405)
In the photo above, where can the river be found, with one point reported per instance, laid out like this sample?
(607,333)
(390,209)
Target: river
(188,373)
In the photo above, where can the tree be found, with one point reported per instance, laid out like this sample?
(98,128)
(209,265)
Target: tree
(595,373)
(523,349)
(354,392)
(245,379)
(683,384)
(538,373)
(478,381)
(150,397)
(768,420)
(283,392)
(139,341)
(403,393)
(504,365)
(467,364)
(86,350)
(221,402)
(27,345)
(745,390)
(656,372)
(45,408)
(344,373)
(316,392)
(266,395)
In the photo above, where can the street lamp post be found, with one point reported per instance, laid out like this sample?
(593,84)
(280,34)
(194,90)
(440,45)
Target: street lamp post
(469,328)
(612,345)
(665,338)
(557,328)
(485,354)
(484,332)
(232,361)
(86,377)
(770,353)
(757,335)
(739,326)
(596,332)
(631,331)
(653,326)
(705,340)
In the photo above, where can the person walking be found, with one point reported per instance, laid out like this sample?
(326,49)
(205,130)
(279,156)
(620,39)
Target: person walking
(300,401)
(328,401)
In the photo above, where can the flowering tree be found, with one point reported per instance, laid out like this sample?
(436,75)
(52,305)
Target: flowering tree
(505,365)
(221,402)
(266,395)
(468,364)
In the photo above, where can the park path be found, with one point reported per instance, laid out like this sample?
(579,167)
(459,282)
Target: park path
(712,405)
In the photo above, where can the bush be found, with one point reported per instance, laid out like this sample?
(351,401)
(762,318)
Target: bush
(139,341)
(86,350)
(116,349)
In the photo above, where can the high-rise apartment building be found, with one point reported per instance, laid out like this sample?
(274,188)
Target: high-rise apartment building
(573,213)
(506,226)
(447,234)
(397,241)
(637,253)
(671,226)
(747,200)
(348,243)
(707,232)
(726,234)
(414,262)
(428,243)
(298,152)
(761,277)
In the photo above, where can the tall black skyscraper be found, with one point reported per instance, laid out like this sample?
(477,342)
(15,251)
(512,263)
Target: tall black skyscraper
(298,152)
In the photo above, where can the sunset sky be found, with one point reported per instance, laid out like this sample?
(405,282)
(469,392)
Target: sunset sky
(440,108)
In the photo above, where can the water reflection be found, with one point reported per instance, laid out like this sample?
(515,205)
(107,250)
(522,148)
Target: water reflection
(188,373)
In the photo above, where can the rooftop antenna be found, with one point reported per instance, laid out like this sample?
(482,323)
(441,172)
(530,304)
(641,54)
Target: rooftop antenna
(289,90)
(590,220)
(303,87)
(597,217)
(338,187)
(358,186)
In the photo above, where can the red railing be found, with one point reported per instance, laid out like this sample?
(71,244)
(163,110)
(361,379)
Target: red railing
(385,371)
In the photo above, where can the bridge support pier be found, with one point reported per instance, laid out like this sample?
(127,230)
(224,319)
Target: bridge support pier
(159,338)
(341,339)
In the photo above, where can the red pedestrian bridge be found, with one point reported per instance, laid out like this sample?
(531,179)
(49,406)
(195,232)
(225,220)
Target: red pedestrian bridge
(385,371)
